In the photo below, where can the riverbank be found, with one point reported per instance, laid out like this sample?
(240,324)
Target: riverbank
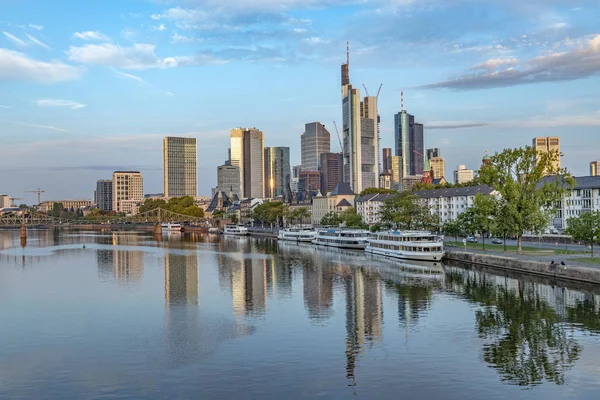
(525,264)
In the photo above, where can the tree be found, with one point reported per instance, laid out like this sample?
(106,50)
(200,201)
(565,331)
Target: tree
(504,224)
(331,219)
(421,186)
(406,211)
(180,205)
(57,208)
(483,214)
(531,185)
(585,228)
(453,228)
(300,214)
(352,219)
(374,190)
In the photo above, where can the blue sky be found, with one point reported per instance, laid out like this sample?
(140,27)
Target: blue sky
(88,87)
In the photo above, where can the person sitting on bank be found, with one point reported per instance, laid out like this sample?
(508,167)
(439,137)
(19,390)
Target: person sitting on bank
(552,265)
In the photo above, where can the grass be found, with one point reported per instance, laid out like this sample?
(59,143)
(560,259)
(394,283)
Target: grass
(587,260)
(528,251)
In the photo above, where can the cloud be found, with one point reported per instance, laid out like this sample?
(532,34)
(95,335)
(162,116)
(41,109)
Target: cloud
(49,127)
(59,103)
(38,42)
(15,39)
(139,80)
(160,27)
(454,125)
(90,35)
(177,38)
(15,66)
(494,64)
(139,56)
(37,27)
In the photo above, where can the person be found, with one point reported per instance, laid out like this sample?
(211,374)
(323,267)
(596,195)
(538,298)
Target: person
(552,266)
(562,263)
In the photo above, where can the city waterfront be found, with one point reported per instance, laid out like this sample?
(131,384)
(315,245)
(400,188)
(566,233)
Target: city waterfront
(129,315)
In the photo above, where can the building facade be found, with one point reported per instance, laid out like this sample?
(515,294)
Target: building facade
(385,180)
(408,136)
(369,207)
(278,174)
(315,141)
(360,135)
(438,167)
(180,167)
(547,145)
(595,168)
(396,162)
(429,154)
(463,175)
(583,198)
(332,166)
(47,206)
(309,181)
(342,197)
(386,159)
(228,179)
(247,153)
(409,181)
(128,191)
(104,195)
(4,201)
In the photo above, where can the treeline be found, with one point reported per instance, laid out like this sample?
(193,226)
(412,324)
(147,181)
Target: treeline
(180,205)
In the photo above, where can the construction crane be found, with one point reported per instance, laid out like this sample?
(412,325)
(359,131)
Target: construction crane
(12,201)
(338,135)
(378,90)
(420,161)
(39,193)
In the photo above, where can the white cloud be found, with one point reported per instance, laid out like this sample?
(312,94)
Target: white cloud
(90,35)
(48,127)
(59,103)
(300,30)
(38,42)
(495,63)
(177,38)
(38,27)
(15,39)
(15,66)
(139,56)
(128,34)
(160,28)
(130,76)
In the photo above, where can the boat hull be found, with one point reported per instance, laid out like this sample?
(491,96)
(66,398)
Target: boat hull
(402,255)
(341,245)
(303,239)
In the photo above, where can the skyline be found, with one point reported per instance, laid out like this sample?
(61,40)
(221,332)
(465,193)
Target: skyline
(98,94)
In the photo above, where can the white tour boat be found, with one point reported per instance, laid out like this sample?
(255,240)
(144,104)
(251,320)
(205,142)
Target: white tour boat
(171,227)
(342,238)
(297,234)
(238,230)
(407,245)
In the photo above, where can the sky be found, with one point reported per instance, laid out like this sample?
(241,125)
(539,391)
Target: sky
(89,87)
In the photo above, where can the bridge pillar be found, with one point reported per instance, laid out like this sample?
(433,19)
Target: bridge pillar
(158,230)
(23,231)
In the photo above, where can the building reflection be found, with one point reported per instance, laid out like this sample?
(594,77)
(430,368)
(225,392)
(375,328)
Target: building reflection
(181,279)
(249,287)
(318,290)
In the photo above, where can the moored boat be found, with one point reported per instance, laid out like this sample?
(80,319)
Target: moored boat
(171,227)
(342,238)
(237,230)
(295,234)
(407,245)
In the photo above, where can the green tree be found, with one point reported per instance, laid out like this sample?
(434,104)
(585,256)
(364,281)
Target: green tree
(331,219)
(300,214)
(453,228)
(180,205)
(585,228)
(421,186)
(374,190)
(57,209)
(406,211)
(504,223)
(483,213)
(518,175)
(352,219)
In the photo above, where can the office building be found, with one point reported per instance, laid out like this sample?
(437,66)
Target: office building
(463,175)
(47,206)
(180,167)
(309,181)
(546,145)
(360,135)
(104,195)
(386,159)
(396,164)
(277,171)
(332,166)
(429,154)
(128,191)
(4,201)
(228,180)
(247,153)
(313,142)
(408,136)
(437,167)
(409,181)
(595,168)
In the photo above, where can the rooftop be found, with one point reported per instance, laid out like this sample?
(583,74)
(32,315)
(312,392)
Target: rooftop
(344,203)
(454,192)
(342,189)
(375,197)
(581,182)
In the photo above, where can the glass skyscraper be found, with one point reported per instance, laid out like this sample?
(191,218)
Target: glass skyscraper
(409,143)
(277,171)
(313,142)
(180,168)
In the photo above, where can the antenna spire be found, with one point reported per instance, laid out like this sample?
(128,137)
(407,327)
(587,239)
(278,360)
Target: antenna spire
(402,100)
(348,53)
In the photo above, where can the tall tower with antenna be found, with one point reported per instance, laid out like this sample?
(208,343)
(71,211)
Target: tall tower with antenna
(408,137)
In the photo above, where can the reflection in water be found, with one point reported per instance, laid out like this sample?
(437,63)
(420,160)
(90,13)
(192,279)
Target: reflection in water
(122,266)
(181,279)
(249,287)
(318,290)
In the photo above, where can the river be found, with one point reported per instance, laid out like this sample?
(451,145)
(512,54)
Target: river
(88,315)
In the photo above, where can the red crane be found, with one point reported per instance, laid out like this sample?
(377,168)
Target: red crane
(420,162)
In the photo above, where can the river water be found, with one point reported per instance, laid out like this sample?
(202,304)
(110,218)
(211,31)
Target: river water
(209,317)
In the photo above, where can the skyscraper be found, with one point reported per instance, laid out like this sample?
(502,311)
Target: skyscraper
(595,168)
(331,171)
(180,167)
(463,175)
(228,179)
(313,142)
(547,145)
(104,194)
(409,143)
(128,190)
(247,153)
(429,154)
(386,161)
(277,171)
(360,135)
(309,181)
(437,165)
(397,176)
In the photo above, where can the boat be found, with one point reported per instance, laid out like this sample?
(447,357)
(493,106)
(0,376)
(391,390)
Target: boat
(297,234)
(342,238)
(214,230)
(407,245)
(237,230)
(171,227)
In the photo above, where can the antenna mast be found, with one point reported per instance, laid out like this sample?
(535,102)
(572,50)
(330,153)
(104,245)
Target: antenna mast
(402,100)
(348,53)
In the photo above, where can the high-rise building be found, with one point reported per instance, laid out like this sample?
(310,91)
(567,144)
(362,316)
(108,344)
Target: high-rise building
(360,135)
(247,153)
(228,179)
(295,177)
(313,142)
(385,180)
(277,171)
(4,201)
(437,165)
(104,194)
(128,190)
(332,166)
(386,159)
(595,168)
(547,145)
(409,143)
(429,154)
(180,167)
(309,181)
(396,164)
(463,175)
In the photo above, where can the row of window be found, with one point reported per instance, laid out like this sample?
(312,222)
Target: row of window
(406,248)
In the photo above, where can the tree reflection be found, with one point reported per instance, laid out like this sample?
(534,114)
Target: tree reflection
(526,341)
